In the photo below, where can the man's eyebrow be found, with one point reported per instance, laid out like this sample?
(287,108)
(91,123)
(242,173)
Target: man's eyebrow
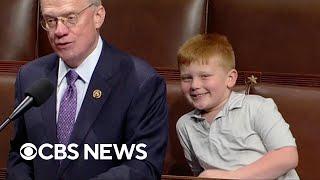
(47,16)
(61,15)
(66,13)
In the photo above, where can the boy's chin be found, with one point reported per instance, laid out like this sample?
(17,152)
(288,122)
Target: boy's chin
(200,107)
(203,107)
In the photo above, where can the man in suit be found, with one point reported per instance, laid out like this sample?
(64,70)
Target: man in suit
(101,96)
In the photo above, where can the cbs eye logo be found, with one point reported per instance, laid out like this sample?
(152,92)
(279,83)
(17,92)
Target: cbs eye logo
(28,151)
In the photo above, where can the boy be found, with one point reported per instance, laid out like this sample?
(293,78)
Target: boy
(229,135)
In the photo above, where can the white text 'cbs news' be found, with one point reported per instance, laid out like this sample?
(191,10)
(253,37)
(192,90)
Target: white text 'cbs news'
(29,151)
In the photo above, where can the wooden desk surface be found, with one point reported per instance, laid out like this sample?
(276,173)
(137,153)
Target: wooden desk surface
(172,177)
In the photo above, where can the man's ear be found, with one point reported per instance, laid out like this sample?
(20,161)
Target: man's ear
(232,78)
(99,16)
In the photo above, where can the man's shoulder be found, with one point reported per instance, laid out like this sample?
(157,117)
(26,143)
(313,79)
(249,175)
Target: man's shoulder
(140,67)
(40,64)
(143,69)
(36,69)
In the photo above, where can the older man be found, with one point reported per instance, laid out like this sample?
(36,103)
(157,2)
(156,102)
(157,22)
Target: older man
(102,96)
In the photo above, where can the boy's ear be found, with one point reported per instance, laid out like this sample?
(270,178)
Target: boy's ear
(232,78)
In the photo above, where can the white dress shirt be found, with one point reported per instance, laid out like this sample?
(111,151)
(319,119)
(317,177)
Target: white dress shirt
(84,70)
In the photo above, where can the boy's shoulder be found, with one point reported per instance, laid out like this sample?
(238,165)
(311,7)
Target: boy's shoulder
(256,101)
(237,99)
(250,104)
(256,106)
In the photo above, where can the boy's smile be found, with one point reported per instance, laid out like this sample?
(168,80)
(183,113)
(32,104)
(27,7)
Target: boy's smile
(198,95)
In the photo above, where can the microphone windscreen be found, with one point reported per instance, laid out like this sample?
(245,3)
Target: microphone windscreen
(40,90)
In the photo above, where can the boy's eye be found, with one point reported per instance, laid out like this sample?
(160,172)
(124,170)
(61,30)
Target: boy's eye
(204,76)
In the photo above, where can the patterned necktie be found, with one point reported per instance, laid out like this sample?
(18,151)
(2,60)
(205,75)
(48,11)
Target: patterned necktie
(67,110)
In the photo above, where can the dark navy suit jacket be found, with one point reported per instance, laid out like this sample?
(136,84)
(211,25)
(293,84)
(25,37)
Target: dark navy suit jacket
(131,110)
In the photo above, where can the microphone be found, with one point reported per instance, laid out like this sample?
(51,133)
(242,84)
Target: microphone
(36,95)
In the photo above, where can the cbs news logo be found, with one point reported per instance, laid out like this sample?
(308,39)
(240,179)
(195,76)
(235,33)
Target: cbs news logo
(29,151)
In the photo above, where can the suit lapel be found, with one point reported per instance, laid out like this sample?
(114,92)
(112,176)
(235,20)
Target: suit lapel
(91,106)
(48,109)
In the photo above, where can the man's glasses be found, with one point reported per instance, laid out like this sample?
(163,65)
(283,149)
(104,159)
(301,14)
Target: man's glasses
(70,20)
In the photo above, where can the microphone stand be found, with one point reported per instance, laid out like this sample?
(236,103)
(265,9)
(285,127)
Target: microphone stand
(22,107)
(4,124)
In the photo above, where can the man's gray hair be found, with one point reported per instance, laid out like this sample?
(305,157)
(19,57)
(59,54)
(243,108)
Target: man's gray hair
(95,2)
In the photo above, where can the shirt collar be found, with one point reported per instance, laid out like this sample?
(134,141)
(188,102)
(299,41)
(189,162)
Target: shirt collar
(235,101)
(86,68)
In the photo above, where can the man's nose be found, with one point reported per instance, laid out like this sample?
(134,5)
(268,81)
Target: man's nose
(61,29)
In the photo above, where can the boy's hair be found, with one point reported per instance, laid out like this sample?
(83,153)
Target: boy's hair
(202,47)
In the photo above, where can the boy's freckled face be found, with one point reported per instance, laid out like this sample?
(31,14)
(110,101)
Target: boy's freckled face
(205,85)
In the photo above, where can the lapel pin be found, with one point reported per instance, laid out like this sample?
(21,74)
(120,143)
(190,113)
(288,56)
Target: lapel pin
(97,94)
